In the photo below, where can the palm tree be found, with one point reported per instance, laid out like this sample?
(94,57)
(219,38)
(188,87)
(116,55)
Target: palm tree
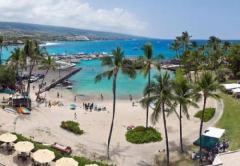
(175,46)
(184,97)
(47,63)
(16,59)
(185,41)
(162,96)
(115,64)
(2,45)
(33,53)
(206,87)
(147,62)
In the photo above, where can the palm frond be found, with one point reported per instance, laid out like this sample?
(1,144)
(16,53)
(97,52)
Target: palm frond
(106,74)
(107,61)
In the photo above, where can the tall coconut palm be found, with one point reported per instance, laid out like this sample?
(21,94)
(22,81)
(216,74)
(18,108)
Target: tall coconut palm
(162,97)
(48,63)
(115,64)
(206,87)
(147,61)
(185,41)
(33,54)
(184,98)
(175,46)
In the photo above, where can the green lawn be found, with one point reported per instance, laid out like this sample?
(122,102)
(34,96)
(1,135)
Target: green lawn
(231,120)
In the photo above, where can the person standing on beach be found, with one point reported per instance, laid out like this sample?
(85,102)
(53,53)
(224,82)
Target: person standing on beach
(75,115)
(101,97)
(130,97)
(75,98)
(58,95)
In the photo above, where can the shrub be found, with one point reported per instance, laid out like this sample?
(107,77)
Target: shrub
(140,135)
(72,127)
(208,114)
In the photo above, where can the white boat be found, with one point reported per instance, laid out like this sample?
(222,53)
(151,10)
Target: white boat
(69,87)
(64,65)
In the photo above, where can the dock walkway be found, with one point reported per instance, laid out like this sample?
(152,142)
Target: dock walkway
(61,79)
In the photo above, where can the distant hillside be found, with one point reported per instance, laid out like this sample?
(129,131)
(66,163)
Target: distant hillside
(45,32)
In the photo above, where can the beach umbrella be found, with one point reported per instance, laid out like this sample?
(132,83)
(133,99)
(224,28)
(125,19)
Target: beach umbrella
(8,137)
(24,146)
(64,161)
(43,156)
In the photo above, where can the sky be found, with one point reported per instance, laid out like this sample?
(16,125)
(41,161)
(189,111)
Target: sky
(163,19)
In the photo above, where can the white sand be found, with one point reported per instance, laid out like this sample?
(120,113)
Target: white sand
(44,125)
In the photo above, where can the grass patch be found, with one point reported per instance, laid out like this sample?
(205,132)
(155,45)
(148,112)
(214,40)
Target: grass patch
(82,161)
(208,114)
(72,127)
(140,135)
(230,120)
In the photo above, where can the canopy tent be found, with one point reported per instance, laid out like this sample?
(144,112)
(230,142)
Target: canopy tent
(8,138)
(24,146)
(207,142)
(64,161)
(43,156)
(231,86)
(214,132)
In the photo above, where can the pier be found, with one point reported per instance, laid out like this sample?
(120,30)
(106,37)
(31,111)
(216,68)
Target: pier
(73,71)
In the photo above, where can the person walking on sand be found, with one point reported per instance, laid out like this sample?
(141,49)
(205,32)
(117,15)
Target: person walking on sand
(130,97)
(101,97)
(75,115)
(75,98)
(58,95)
(49,104)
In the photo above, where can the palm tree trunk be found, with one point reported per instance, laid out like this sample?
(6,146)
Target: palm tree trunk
(0,55)
(166,133)
(41,84)
(147,113)
(113,114)
(180,125)
(201,126)
(30,73)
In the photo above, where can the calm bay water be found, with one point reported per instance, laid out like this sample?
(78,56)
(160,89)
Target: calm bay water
(84,80)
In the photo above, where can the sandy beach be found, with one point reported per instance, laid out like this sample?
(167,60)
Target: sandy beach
(44,126)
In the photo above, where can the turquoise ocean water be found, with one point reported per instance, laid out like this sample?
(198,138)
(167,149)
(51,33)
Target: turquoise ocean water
(84,80)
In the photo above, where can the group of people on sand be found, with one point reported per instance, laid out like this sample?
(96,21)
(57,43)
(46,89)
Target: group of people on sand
(87,106)
(208,155)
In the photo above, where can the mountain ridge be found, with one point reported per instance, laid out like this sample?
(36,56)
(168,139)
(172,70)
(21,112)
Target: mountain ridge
(18,29)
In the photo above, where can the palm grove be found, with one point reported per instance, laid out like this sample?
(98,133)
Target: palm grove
(23,60)
(202,66)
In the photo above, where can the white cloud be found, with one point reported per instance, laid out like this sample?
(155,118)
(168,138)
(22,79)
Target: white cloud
(71,13)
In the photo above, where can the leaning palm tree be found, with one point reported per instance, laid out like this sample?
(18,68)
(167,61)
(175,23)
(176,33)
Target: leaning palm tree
(48,63)
(147,62)
(162,97)
(184,98)
(115,64)
(206,87)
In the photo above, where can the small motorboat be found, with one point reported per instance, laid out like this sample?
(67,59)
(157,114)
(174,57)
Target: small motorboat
(69,87)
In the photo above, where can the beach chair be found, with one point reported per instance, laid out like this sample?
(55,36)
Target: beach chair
(62,148)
